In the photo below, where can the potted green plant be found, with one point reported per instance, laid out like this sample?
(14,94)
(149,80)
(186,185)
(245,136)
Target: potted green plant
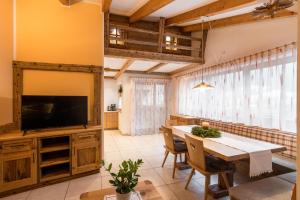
(125,179)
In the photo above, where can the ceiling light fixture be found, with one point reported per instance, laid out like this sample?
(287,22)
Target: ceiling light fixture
(203,85)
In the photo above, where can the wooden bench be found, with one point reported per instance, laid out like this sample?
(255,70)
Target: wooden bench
(276,188)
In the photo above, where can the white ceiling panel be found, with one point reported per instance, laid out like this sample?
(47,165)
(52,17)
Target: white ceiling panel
(126,7)
(180,6)
(171,67)
(109,73)
(142,65)
(114,63)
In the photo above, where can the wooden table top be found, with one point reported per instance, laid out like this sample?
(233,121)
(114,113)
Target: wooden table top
(146,189)
(222,151)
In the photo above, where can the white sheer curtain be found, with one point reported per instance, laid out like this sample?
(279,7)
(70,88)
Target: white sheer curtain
(256,90)
(149,105)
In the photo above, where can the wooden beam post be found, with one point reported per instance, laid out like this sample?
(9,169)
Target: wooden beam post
(239,19)
(161,34)
(208,10)
(156,67)
(150,7)
(106,5)
(69,2)
(124,68)
(106,30)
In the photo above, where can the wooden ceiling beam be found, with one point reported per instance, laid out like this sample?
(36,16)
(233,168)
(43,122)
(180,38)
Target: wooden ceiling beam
(124,68)
(111,70)
(106,5)
(208,10)
(69,2)
(239,19)
(150,7)
(156,67)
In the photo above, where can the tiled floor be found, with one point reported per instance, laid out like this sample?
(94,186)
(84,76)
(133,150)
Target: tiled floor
(118,148)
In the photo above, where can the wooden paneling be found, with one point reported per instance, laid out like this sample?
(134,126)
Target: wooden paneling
(19,66)
(60,154)
(111,120)
(239,19)
(160,57)
(150,7)
(208,10)
(86,152)
(18,164)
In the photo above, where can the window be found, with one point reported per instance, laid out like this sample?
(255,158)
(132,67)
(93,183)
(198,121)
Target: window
(259,91)
(116,33)
(171,43)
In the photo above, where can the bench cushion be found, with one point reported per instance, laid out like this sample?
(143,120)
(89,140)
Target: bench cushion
(290,177)
(272,188)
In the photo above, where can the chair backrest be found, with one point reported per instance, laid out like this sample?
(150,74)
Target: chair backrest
(168,137)
(196,151)
(294,193)
(170,122)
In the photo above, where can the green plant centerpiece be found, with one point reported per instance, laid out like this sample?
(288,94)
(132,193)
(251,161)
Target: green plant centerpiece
(125,179)
(206,132)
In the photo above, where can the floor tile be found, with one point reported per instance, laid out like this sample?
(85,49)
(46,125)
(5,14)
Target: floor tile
(84,184)
(51,192)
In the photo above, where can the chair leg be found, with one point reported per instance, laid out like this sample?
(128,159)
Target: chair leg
(190,178)
(224,176)
(175,164)
(166,155)
(180,157)
(207,183)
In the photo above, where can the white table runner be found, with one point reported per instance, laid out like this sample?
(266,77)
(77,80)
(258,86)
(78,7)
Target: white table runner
(259,152)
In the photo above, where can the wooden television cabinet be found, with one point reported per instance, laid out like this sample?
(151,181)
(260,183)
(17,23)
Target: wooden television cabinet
(46,157)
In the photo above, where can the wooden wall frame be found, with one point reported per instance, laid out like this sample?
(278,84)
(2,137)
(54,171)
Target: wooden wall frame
(19,66)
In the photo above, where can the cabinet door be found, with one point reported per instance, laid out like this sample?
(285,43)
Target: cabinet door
(86,157)
(18,170)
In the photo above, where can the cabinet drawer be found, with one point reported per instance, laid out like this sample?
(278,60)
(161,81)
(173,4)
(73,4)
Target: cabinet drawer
(86,137)
(17,146)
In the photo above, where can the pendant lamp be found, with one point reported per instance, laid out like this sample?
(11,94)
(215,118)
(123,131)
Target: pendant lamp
(203,85)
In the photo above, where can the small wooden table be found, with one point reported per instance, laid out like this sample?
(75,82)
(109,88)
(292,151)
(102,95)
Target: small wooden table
(146,189)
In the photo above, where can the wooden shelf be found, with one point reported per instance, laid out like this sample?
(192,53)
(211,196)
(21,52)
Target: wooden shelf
(55,147)
(55,171)
(55,175)
(54,161)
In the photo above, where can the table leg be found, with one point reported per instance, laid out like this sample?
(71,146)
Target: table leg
(219,190)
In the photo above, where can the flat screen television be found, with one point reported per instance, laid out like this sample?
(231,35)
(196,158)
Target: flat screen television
(40,112)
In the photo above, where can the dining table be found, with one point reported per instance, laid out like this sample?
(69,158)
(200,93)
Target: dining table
(226,152)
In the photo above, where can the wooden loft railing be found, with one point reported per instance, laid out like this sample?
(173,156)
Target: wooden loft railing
(147,40)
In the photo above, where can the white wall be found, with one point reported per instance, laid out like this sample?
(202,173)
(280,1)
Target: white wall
(111,95)
(231,42)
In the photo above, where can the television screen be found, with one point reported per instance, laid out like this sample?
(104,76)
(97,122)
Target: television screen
(40,112)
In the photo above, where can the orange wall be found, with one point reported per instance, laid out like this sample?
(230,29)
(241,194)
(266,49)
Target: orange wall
(37,82)
(6,56)
(50,32)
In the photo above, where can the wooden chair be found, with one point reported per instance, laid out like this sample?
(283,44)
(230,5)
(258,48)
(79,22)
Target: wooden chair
(204,164)
(175,147)
(170,122)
